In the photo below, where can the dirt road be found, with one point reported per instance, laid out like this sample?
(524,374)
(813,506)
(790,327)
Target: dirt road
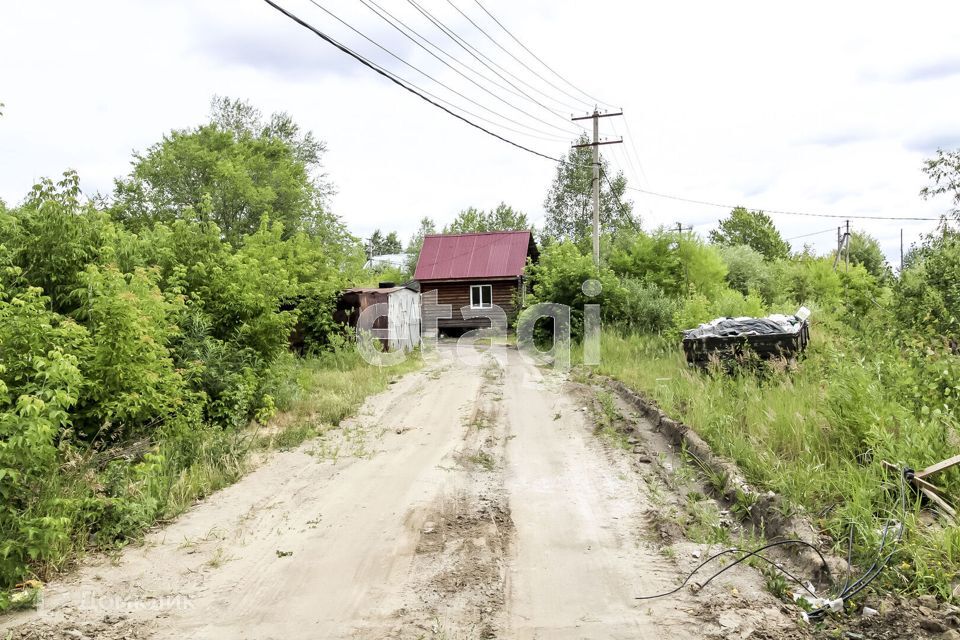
(464,502)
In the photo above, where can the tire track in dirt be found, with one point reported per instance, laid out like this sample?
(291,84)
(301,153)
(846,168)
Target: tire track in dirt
(458,574)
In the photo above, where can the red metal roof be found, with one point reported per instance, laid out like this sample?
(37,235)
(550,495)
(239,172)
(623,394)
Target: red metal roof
(496,254)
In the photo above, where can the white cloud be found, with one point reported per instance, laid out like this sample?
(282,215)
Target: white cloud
(822,108)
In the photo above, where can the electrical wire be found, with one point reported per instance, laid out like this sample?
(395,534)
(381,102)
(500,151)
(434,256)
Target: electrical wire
(477,55)
(633,146)
(626,152)
(848,591)
(420,93)
(815,233)
(775,211)
(430,77)
(394,21)
(519,61)
(535,57)
(749,554)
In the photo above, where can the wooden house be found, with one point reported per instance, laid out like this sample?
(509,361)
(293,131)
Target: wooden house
(474,270)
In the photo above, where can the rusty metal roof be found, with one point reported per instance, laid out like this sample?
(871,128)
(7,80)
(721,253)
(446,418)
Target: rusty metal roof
(494,254)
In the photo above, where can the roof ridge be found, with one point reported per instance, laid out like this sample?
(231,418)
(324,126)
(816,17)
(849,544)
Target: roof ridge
(474,233)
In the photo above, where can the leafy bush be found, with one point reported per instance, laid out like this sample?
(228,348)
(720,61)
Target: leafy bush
(645,307)
(676,263)
(559,278)
(130,376)
(698,309)
(928,293)
(136,336)
(747,271)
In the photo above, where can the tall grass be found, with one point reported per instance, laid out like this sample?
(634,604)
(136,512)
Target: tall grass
(815,433)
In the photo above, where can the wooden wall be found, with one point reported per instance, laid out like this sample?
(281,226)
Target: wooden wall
(457,295)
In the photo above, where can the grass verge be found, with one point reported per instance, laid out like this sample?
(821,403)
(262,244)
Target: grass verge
(816,435)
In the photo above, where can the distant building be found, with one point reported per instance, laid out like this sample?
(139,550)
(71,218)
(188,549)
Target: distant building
(474,270)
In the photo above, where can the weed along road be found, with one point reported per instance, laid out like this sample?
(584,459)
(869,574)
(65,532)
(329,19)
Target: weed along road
(470,500)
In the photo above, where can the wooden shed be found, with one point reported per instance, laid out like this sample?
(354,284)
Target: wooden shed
(474,270)
(402,318)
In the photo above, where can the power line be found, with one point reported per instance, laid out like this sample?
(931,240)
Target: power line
(394,21)
(454,91)
(633,146)
(545,65)
(521,62)
(775,211)
(477,55)
(815,233)
(394,79)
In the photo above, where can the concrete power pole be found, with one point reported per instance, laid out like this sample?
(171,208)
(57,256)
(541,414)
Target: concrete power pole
(595,116)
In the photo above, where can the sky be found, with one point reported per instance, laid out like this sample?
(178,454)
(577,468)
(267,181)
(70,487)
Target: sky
(823,107)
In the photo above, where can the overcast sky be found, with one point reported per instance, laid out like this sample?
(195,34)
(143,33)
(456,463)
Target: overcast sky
(821,106)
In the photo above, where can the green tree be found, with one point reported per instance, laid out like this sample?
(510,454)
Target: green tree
(427,227)
(748,271)
(375,243)
(391,243)
(754,229)
(675,262)
(503,218)
(232,171)
(944,170)
(865,250)
(569,202)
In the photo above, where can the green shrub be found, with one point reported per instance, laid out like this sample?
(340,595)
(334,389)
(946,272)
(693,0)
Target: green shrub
(698,309)
(747,271)
(130,376)
(645,308)
(677,263)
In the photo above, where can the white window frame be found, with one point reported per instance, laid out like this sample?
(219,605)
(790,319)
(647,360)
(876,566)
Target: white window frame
(489,304)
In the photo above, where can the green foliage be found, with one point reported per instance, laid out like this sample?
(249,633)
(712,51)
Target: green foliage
(944,172)
(503,218)
(54,236)
(379,244)
(130,375)
(645,308)
(569,202)
(748,271)
(676,262)
(559,276)
(754,229)
(865,251)
(928,293)
(811,280)
(427,227)
(233,171)
(698,308)
(153,326)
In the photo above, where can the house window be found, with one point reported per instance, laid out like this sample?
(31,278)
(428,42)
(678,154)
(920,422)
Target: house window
(481,296)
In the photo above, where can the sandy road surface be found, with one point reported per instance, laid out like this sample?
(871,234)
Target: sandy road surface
(464,502)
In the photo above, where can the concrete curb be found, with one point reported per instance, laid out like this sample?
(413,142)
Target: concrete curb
(769,512)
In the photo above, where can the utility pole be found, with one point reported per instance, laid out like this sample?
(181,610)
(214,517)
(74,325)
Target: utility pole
(595,116)
(686,270)
(901,250)
(847,256)
(843,246)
